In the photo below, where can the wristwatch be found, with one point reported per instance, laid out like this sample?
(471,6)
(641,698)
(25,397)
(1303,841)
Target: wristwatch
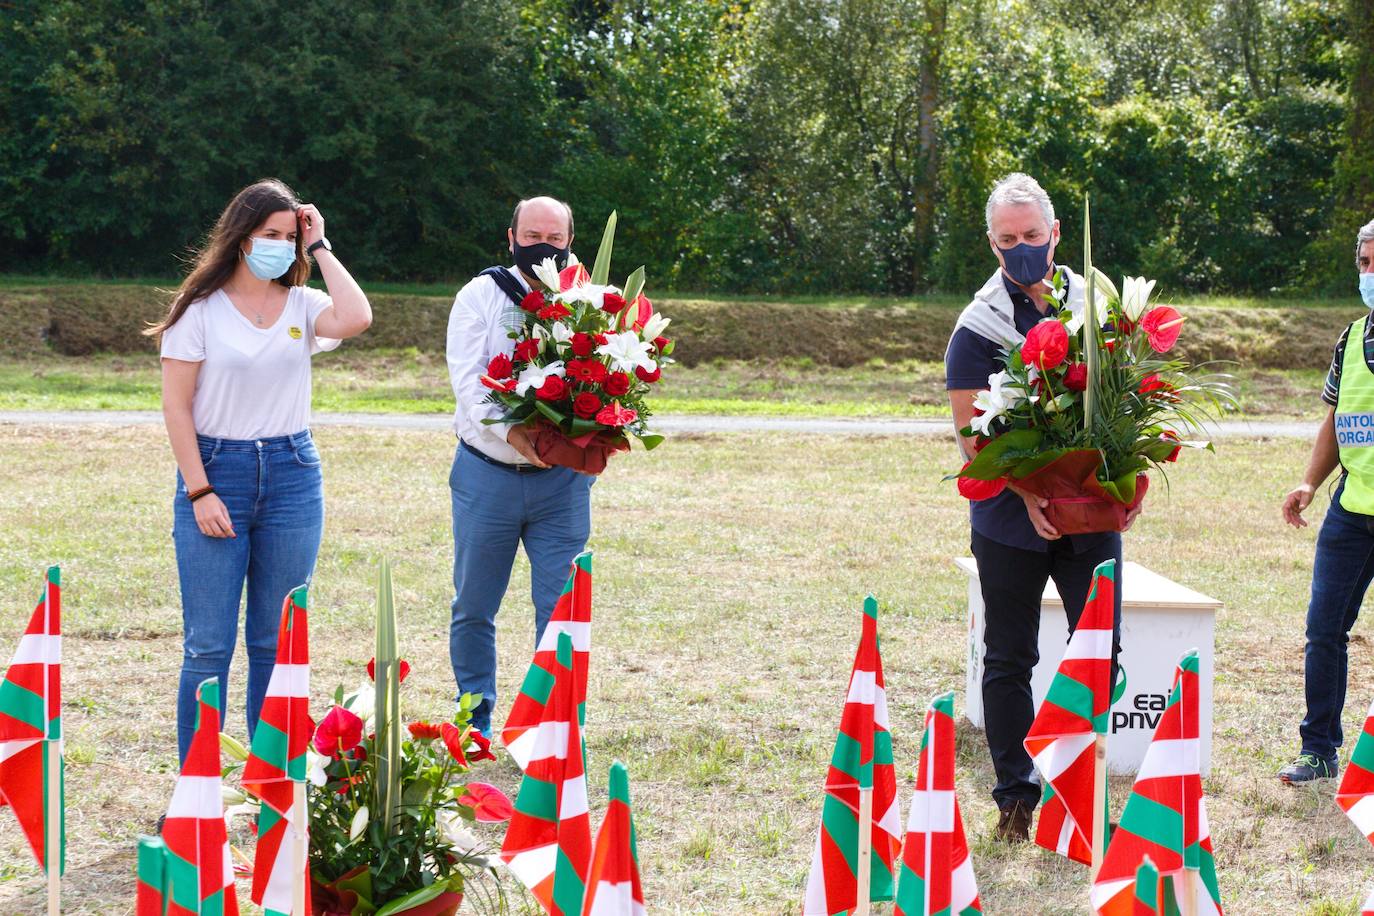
(322,243)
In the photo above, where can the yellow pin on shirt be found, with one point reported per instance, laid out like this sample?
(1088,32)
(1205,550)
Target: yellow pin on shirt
(295,332)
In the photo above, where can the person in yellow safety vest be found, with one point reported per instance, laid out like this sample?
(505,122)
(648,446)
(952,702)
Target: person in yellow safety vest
(1344,563)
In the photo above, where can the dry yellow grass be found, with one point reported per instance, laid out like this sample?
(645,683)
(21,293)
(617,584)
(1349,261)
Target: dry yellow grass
(729,575)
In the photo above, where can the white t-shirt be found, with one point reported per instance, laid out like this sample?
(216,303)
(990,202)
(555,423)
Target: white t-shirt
(254,382)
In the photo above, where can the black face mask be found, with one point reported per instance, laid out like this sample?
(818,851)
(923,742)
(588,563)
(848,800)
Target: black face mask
(527,256)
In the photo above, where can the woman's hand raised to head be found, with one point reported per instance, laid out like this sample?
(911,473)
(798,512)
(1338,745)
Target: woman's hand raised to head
(312,224)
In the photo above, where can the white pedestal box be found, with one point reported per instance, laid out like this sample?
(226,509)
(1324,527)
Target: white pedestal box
(1160,620)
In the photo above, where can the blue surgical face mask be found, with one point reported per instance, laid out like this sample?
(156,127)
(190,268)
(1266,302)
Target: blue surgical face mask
(1367,289)
(270,258)
(1027,264)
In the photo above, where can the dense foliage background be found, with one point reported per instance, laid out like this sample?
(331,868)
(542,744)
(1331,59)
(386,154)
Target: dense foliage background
(766,146)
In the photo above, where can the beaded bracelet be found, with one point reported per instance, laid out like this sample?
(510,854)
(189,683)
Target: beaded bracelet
(203,491)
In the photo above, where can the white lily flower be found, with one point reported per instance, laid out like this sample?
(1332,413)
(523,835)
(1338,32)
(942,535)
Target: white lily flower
(534,376)
(547,272)
(231,796)
(454,829)
(655,327)
(1135,296)
(315,768)
(362,702)
(627,352)
(561,332)
(359,824)
(247,809)
(982,423)
(537,332)
(1104,285)
(587,292)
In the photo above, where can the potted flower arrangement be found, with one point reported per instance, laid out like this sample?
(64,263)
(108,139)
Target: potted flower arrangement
(586,356)
(1088,403)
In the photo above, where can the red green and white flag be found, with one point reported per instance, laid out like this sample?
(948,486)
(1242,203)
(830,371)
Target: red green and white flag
(613,883)
(31,725)
(199,871)
(548,843)
(152,877)
(1165,816)
(937,875)
(1367,908)
(1062,739)
(571,615)
(862,760)
(276,761)
(1149,891)
(1356,792)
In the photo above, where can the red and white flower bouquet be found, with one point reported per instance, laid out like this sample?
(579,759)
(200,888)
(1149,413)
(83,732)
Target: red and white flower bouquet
(1087,404)
(586,356)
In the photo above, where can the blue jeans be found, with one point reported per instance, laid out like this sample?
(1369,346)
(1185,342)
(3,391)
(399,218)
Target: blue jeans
(1340,576)
(495,508)
(274,493)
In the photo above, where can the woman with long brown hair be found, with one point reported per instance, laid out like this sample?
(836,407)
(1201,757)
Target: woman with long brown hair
(249,504)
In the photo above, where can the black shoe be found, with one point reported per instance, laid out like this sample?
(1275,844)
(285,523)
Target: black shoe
(161,819)
(1013,825)
(1308,767)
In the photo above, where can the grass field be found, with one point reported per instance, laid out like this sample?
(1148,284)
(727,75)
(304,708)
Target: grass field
(729,576)
(407,381)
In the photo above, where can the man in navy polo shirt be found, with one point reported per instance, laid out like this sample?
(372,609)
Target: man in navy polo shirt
(1016,548)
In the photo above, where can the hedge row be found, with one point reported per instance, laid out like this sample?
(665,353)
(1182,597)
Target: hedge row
(78,320)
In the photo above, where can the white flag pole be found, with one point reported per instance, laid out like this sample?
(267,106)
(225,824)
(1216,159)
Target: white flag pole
(300,838)
(861,908)
(53,823)
(1099,804)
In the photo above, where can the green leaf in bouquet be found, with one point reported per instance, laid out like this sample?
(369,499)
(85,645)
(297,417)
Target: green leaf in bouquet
(413,899)
(1091,326)
(668,350)
(651,441)
(388,714)
(601,269)
(1002,454)
(554,415)
(580,427)
(1029,466)
(634,285)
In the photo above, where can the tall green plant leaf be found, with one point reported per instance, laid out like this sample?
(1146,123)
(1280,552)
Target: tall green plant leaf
(601,269)
(388,715)
(1091,329)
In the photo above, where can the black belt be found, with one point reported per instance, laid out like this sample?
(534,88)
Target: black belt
(513,468)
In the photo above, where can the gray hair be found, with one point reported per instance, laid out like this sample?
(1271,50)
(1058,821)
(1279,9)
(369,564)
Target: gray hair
(1020,188)
(1366,234)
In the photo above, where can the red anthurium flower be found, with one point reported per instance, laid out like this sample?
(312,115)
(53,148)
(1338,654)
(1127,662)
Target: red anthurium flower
(453,740)
(483,743)
(533,301)
(506,385)
(649,377)
(590,371)
(616,384)
(526,351)
(645,312)
(1110,345)
(499,367)
(553,311)
(572,275)
(582,344)
(423,731)
(1173,436)
(1076,377)
(612,303)
(975,490)
(1162,325)
(339,731)
(1155,386)
(553,389)
(372,669)
(489,803)
(615,415)
(1046,345)
(586,405)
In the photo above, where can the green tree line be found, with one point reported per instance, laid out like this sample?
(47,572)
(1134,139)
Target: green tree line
(798,146)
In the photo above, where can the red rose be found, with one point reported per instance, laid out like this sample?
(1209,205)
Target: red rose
(553,389)
(499,367)
(488,803)
(453,740)
(615,415)
(586,404)
(1046,345)
(533,301)
(1076,377)
(601,338)
(526,351)
(339,731)
(423,731)
(582,344)
(1162,325)
(554,311)
(661,343)
(372,669)
(616,384)
(590,371)
(483,743)
(611,303)
(507,385)
(649,377)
